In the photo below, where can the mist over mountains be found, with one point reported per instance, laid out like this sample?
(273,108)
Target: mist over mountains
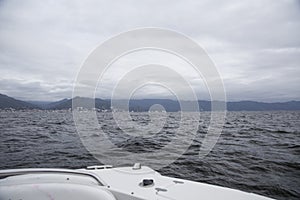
(141,105)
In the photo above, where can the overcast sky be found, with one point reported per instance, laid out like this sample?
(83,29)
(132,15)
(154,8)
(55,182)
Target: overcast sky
(254,44)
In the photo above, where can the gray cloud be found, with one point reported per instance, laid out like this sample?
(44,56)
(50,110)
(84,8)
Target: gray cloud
(254,44)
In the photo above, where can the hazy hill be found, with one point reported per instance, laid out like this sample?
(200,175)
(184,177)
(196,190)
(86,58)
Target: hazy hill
(260,106)
(80,102)
(56,104)
(145,104)
(41,104)
(142,105)
(9,102)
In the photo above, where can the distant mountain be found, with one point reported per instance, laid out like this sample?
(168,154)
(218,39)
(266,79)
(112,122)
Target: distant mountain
(40,104)
(260,106)
(56,104)
(80,102)
(143,105)
(140,105)
(9,102)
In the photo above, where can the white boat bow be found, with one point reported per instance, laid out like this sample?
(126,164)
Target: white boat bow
(108,183)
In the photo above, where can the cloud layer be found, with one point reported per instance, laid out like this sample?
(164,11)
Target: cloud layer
(254,44)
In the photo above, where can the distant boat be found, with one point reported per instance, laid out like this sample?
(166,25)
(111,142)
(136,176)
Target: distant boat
(108,183)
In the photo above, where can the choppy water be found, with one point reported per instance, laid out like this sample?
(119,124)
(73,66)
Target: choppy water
(257,152)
